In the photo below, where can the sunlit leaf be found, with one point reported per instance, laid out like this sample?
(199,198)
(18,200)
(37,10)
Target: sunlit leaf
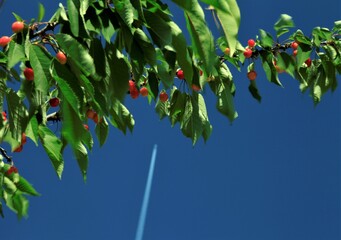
(27,188)
(53,147)
(16,53)
(82,158)
(78,53)
(41,13)
(121,117)
(283,23)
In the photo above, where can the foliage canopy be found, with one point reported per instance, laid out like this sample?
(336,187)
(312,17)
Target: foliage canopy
(115,48)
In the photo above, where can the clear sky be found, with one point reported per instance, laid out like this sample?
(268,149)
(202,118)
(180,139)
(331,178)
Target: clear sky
(274,174)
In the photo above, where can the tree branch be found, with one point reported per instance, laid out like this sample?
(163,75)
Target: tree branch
(4,154)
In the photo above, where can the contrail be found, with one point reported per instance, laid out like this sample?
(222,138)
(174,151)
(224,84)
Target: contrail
(144,207)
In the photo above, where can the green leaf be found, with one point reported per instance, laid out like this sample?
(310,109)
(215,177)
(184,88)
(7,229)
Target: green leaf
(73,13)
(17,114)
(329,69)
(82,158)
(41,13)
(24,186)
(254,91)
(98,54)
(229,16)
(153,82)
(146,46)
(303,53)
(3,58)
(121,118)
(20,204)
(164,71)
(79,54)
(107,26)
(16,54)
(53,147)
(162,108)
(266,39)
(40,61)
(73,129)
(201,37)
(9,185)
(32,130)
(301,38)
(177,106)
(194,122)
(282,24)
(70,88)
(287,63)
(159,27)
(17,17)
(119,72)
(269,68)
(102,131)
(225,104)
(126,11)
(337,25)
(321,34)
(76,18)
(1,211)
(182,53)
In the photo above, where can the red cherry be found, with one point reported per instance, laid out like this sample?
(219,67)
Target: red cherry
(278,69)
(308,62)
(144,91)
(251,43)
(19,149)
(131,83)
(18,26)
(294,45)
(29,74)
(196,87)
(4,116)
(180,74)
(96,118)
(227,51)
(247,53)
(86,126)
(61,57)
(4,41)
(163,96)
(200,72)
(23,138)
(294,53)
(134,93)
(11,170)
(252,75)
(91,113)
(54,102)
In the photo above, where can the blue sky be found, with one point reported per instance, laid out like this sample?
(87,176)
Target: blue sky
(272,174)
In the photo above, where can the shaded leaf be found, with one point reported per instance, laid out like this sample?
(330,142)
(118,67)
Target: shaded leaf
(102,131)
(254,91)
(182,54)
(70,88)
